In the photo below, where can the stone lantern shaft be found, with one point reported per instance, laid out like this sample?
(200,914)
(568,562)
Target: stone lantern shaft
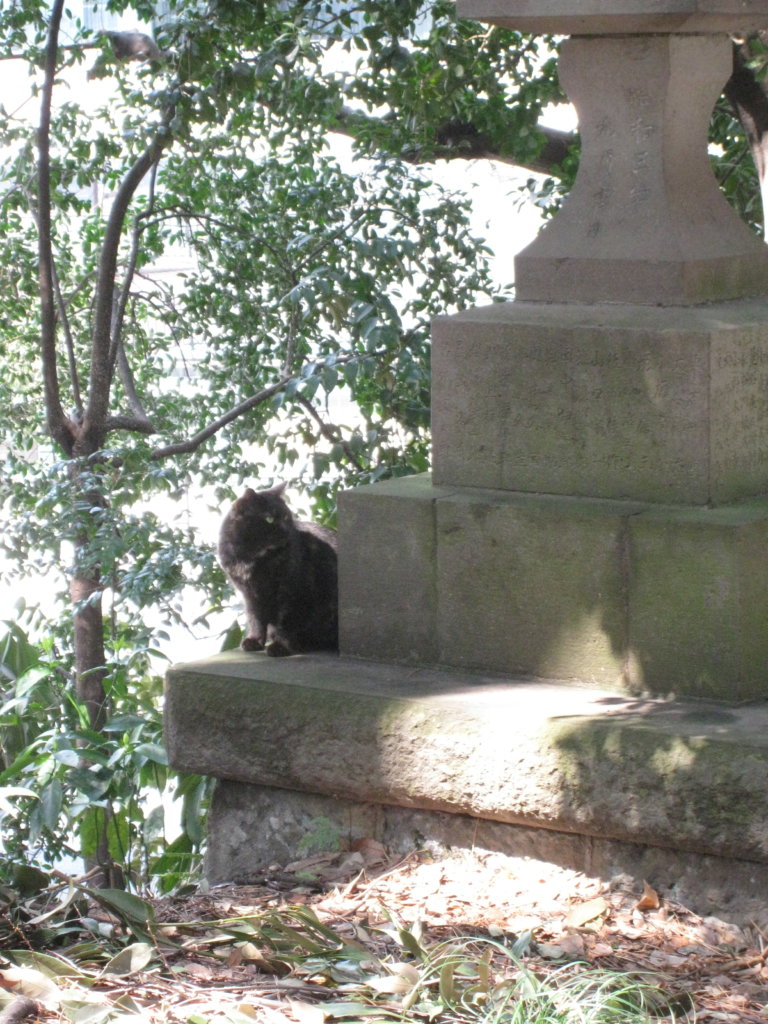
(645,221)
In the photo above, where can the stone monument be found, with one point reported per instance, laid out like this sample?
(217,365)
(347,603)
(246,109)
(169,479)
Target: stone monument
(592,541)
(595,510)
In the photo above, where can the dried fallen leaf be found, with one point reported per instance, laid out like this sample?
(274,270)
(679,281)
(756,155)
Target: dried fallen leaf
(572,945)
(390,986)
(601,949)
(26,981)
(579,915)
(649,900)
(307,1013)
(351,864)
(303,866)
(248,1011)
(199,971)
(550,950)
(372,851)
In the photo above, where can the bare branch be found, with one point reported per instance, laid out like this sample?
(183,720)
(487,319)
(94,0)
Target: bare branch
(61,307)
(749,100)
(74,377)
(132,397)
(102,355)
(59,425)
(193,443)
(134,424)
(190,445)
(117,352)
(328,432)
(118,312)
(460,140)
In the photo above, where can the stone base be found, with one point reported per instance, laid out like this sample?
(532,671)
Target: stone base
(642,598)
(412,755)
(614,401)
(251,827)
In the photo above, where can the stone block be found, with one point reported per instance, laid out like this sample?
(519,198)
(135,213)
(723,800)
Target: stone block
(698,601)
(533,586)
(612,401)
(643,598)
(387,595)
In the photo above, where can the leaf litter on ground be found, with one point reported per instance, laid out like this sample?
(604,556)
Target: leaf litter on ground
(452,938)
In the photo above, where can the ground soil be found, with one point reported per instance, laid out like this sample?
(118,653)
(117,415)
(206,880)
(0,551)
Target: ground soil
(706,963)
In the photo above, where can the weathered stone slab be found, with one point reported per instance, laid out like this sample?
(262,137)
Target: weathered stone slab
(622,402)
(671,774)
(592,17)
(251,827)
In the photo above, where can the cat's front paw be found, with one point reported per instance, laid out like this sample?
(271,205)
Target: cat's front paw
(277,649)
(252,643)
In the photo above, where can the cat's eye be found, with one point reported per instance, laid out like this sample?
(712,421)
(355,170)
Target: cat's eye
(269,519)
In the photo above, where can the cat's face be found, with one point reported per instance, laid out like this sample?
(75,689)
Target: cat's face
(258,520)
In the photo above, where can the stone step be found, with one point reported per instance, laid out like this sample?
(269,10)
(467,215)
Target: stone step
(675,774)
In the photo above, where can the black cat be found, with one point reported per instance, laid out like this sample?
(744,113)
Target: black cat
(286,572)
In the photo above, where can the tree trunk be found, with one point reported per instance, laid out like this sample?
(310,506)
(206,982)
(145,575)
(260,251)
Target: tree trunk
(90,655)
(748,96)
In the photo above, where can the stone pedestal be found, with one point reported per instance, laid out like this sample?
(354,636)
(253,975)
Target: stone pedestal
(313,745)
(595,511)
(601,444)
(595,530)
(603,17)
(645,221)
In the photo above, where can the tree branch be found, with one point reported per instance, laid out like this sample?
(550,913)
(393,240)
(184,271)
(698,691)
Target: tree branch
(328,433)
(59,425)
(461,140)
(117,351)
(102,355)
(194,442)
(749,100)
(134,424)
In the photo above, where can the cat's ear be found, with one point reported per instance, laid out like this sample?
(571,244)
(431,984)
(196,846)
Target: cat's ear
(278,490)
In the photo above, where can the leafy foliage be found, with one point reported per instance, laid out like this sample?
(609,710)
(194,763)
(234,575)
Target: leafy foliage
(295,338)
(303,282)
(63,784)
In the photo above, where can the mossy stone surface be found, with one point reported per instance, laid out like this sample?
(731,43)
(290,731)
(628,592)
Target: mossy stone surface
(682,775)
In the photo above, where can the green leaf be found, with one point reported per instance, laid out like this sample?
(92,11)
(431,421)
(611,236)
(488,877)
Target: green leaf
(152,752)
(127,906)
(51,799)
(53,966)
(131,960)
